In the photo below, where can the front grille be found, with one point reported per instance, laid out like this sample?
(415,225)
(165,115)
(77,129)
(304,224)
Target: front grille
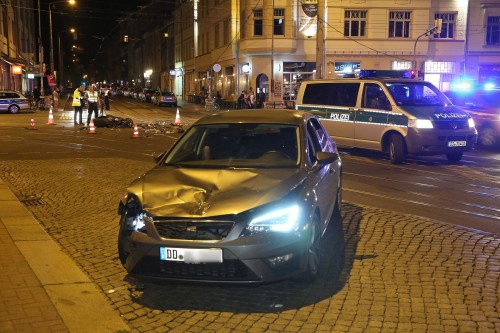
(194,230)
(229,270)
(452,124)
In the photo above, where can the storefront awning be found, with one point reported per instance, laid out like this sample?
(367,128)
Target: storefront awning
(14,61)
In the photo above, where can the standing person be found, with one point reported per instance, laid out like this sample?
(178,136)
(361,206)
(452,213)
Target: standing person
(78,104)
(92,98)
(251,99)
(261,98)
(101,104)
(241,100)
(55,99)
(107,93)
(36,96)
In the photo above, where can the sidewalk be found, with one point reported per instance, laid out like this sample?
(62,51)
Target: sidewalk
(41,288)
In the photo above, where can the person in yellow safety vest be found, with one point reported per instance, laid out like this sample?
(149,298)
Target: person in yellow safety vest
(78,96)
(92,97)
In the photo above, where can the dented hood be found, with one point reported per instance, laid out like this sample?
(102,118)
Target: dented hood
(184,192)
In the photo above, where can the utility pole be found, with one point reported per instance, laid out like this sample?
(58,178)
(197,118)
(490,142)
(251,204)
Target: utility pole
(320,40)
(40,50)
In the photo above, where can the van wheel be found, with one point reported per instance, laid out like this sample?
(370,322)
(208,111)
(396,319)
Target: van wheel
(397,149)
(454,157)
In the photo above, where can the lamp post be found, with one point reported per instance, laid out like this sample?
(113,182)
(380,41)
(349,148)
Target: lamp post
(71,2)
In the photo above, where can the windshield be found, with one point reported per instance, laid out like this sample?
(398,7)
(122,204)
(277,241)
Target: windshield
(237,146)
(416,93)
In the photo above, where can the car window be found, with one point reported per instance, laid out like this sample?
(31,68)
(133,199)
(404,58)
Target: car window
(416,93)
(374,97)
(237,145)
(337,94)
(321,136)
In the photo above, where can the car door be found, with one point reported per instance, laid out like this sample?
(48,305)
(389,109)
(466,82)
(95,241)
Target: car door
(371,117)
(325,176)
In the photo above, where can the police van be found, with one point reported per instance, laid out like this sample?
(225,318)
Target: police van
(393,113)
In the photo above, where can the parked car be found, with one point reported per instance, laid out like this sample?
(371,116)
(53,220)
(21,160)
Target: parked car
(484,108)
(13,101)
(241,197)
(164,98)
(146,94)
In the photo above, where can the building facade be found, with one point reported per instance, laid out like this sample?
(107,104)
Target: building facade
(228,46)
(17,45)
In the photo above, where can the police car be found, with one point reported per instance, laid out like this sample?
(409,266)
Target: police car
(13,101)
(392,113)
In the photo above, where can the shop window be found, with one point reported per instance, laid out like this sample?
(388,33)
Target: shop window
(493,30)
(355,23)
(279,22)
(257,22)
(399,24)
(448,27)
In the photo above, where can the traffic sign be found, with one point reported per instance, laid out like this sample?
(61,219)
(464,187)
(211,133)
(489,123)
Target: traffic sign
(217,68)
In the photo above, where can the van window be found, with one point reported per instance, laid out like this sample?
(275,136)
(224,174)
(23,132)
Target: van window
(374,97)
(416,93)
(338,94)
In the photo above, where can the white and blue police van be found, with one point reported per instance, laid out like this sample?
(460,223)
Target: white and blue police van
(391,112)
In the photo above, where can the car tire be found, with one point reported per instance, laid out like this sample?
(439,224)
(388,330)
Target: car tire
(122,235)
(488,137)
(313,251)
(14,109)
(337,211)
(397,151)
(454,157)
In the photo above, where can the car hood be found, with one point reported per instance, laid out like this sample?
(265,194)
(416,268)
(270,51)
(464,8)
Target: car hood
(437,113)
(182,192)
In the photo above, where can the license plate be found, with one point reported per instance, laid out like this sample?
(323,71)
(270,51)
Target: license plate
(457,143)
(191,256)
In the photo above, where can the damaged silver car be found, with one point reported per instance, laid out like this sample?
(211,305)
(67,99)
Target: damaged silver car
(241,197)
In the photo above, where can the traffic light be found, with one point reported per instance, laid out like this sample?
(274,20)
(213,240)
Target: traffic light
(438,24)
(413,73)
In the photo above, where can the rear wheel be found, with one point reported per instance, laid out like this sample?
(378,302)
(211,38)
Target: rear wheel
(14,109)
(397,149)
(454,157)
(313,251)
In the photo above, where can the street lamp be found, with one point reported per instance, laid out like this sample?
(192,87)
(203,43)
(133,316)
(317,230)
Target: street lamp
(71,2)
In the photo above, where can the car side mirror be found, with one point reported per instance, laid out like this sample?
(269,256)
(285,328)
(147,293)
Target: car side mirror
(158,158)
(326,158)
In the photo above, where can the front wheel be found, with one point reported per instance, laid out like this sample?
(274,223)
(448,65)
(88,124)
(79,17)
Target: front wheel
(397,149)
(313,251)
(454,157)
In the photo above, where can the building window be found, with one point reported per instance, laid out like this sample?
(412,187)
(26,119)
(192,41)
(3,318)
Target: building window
(399,24)
(257,22)
(226,31)
(216,35)
(355,23)
(493,30)
(448,27)
(279,22)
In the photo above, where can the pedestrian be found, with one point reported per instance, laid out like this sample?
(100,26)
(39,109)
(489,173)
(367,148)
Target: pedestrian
(36,96)
(107,94)
(101,104)
(261,98)
(78,101)
(92,97)
(251,99)
(55,99)
(241,100)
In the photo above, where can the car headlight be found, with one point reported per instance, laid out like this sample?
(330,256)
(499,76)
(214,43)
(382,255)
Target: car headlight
(420,123)
(136,222)
(279,220)
(471,123)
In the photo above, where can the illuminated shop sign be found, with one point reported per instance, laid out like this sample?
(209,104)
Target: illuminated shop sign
(347,67)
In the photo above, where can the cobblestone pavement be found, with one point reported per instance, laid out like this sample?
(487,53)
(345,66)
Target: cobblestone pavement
(401,273)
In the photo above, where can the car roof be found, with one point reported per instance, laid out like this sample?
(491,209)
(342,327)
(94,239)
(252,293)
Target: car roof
(278,116)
